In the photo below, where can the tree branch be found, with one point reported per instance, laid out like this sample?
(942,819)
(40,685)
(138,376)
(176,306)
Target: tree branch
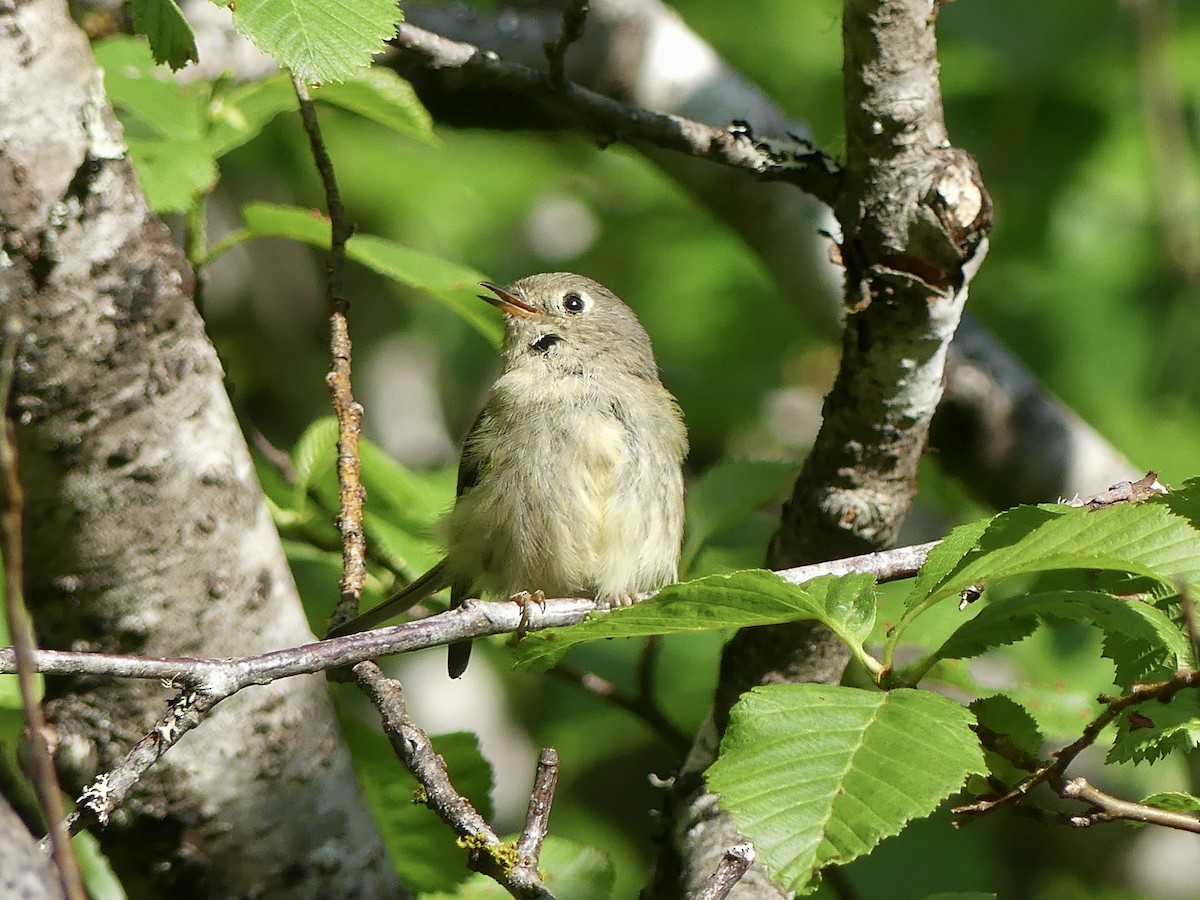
(1112,809)
(488,854)
(537,819)
(1054,772)
(573,18)
(349,413)
(733,865)
(793,163)
(476,618)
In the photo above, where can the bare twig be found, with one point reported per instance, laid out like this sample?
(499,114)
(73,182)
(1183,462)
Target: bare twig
(476,618)
(733,865)
(20,628)
(796,164)
(571,30)
(1053,772)
(110,789)
(641,706)
(348,411)
(537,819)
(1108,808)
(487,853)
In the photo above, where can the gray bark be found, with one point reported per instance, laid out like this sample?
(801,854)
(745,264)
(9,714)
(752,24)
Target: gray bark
(146,529)
(25,872)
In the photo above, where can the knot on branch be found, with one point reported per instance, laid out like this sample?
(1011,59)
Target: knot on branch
(960,202)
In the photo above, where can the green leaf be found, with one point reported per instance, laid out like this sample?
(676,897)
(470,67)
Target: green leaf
(818,775)
(453,284)
(149,93)
(1149,731)
(239,112)
(726,493)
(318,40)
(171,38)
(945,558)
(383,97)
(404,509)
(1140,639)
(1143,540)
(405,549)
(716,602)
(569,870)
(10,692)
(315,452)
(173,173)
(1146,539)
(423,849)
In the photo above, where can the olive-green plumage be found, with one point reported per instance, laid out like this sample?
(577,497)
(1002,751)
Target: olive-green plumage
(570,481)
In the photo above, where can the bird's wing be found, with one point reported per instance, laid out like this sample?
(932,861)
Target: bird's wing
(471,463)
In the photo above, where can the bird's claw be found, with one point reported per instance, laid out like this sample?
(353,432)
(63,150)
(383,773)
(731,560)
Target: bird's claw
(621,600)
(527,601)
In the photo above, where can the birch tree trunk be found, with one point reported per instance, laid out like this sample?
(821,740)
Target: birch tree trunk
(146,529)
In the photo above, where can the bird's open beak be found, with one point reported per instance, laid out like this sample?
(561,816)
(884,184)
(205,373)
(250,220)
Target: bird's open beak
(506,302)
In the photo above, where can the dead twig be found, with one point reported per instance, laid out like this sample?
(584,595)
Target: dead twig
(733,865)
(537,819)
(20,628)
(348,411)
(1054,772)
(487,853)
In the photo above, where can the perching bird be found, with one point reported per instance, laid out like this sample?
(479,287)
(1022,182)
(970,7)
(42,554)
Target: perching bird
(570,482)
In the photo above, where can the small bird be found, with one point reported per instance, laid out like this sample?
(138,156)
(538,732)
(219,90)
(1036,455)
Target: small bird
(570,482)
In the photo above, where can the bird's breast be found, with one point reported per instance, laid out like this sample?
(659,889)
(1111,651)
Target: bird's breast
(573,497)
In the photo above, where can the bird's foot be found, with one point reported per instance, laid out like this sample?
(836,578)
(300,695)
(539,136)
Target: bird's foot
(627,599)
(527,601)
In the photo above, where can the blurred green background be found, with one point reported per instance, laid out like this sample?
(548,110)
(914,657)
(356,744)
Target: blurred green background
(1085,118)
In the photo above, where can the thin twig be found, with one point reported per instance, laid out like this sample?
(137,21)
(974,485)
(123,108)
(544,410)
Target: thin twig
(1113,809)
(571,30)
(794,163)
(348,411)
(20,628)
(476,618)
(1054,771)
(733,865)
(641,706)
(487,853)
(109,790)
(537,819)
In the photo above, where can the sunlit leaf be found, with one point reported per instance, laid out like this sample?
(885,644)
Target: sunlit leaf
(318,40)
(171,38)
(817,775)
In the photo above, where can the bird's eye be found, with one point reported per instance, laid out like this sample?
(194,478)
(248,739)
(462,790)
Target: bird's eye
(573,303)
